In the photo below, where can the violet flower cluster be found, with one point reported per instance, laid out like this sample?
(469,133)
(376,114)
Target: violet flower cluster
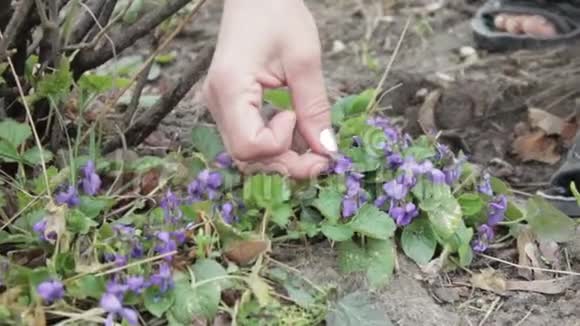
(496,210)
(91,184)
(355,196)
(394,197)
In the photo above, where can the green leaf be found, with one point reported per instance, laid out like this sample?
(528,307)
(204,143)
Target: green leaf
(499,187)
(372,222)
(79,223)
(471,204)
(64,263)
(158,303)
(32,156)
(418,241)
(351,257)
(548,223)
(442,208)
(206,269)
(513,211)
(281,214)
(167,58)
(15,133)
(207,141)
(97,84)
(193,211)
(146,163)
(328,204)
(266,191)
(381,258)
(575,192)
(339,108)
(8,152)
(338,232)
(360,103)
(279,98)
(88,286)
(465,255)
(93,206)
(57,84)
(193,300)
(356,309)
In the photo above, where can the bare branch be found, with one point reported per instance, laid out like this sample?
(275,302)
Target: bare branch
(11,31)
(149,121)
(103,20)
(89,58)
(129,116)
(86,21)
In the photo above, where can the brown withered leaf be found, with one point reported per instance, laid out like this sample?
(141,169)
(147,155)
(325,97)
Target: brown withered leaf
(569,130)
(149,181)
(524,239)
(537,146)
(243,252)
(427,113)
(552,286)
(489,280)
(551,124)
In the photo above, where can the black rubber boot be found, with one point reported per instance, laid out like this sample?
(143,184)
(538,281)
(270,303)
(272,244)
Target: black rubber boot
(560,194)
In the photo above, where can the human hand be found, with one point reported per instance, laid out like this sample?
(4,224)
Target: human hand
(270,44)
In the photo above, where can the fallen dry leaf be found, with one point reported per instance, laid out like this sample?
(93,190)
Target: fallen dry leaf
(550,251)
(552,286)
(55,222)
(489,280)
(149,181)
(537,146)
(529,255)
(531,250)
(243,252)
(426,116)
(546,121)
(569,130)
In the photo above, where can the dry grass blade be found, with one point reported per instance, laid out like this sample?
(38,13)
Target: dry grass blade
(553,286)
(531,268)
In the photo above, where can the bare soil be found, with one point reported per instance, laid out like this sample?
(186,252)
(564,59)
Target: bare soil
(483,99)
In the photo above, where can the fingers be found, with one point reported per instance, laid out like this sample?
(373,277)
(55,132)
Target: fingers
(306,83)
(291,164)
(235,106)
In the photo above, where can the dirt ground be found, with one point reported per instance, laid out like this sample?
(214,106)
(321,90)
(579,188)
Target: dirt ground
(484,97)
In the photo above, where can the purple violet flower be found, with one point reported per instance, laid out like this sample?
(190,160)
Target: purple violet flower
(437,176)
(162,279)
(206,185)
(395,160)
(485,185)
(349,207)
(342,165)
(112,305)
(69,197)
(166,245)
(137,250)
(224,160)
(117,289)
(91,181)
(452,174)
(485,236)
(443,151)
(381,201)
(40,229)
(50,291)
(170,204)
(227,213)
(355,196)
(496,210)
(396,190)
(136,284)
(403,215)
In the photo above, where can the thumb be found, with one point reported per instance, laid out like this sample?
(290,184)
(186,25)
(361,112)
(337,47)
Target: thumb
(311,105)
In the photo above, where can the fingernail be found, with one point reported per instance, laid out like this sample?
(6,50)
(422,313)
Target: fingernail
(328,140)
